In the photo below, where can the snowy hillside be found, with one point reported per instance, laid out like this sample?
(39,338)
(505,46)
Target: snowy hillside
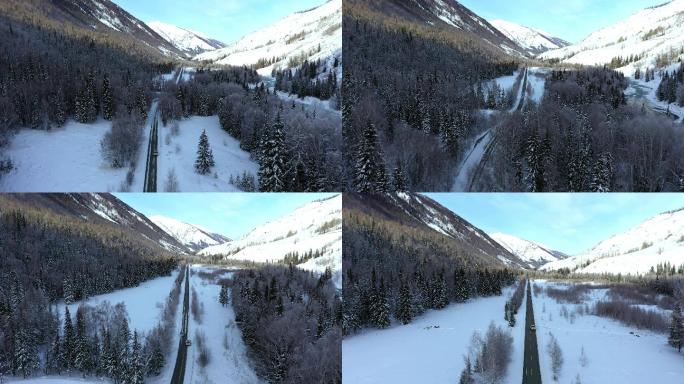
(189,235)
(533,253)
(316,226)
(648,33)
(444,221)
(657,240)
(535,41)
(190,42)
(312,34)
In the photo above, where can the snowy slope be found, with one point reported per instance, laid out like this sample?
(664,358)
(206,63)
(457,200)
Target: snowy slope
(299,35)
(656,240)
(192,236)
(535,41)
(314,226)
(649,32)
(190,42)
(533,253)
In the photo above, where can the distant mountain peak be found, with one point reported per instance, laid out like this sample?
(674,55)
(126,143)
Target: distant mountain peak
(192,236)
(533,40)
(188,41)
(535,254)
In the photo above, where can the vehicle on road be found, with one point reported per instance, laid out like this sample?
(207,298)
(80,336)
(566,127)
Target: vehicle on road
(188,342)
(533,327)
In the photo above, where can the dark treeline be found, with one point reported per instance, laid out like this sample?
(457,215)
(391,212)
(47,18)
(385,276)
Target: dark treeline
(47,257)
(310,79)
(389,279)
(513,304)
(297,149)
(50,73)
(290,321)
(671,88)
(583,137)
(409,83)
(48,76)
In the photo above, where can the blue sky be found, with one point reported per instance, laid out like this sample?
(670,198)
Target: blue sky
(230,214)
(225,20)
(569,223)
(571,20)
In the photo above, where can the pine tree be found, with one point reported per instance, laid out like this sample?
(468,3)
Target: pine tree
(25,355)
(398,180)
(81,351)
(223,295)
(370,168)
(676,337)
(404,308)
(54,361)
(69,341)
(156,360)
(67,288)
(273,165)
(136,368)
(380,308)
(107,99)
(205,157)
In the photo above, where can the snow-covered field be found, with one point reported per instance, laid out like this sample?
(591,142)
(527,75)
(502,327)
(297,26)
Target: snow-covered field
(66,159)
(178,153)
(642,92)
(422,353)
(228,361)
(536,77)
(614,355)
(143,303)
(69,159)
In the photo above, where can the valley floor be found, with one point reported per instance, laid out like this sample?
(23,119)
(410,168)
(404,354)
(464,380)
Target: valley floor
(79,166)
(177,153)
(615,353)
(228,362)
(431,349)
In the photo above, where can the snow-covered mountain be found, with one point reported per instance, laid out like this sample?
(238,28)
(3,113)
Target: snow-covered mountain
(104,209)
(534,41)
(312,34)
(647,34)
(657,240)
(448,14)
(534,254)
(192,236)
(420,215)
(105,17)
(190,42)
(316,226)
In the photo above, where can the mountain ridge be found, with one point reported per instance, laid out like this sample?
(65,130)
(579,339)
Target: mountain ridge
(656,240)
(533,40)
(192,236)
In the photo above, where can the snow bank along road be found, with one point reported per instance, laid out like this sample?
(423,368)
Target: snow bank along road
(179,370)
(475,160)
(531,371)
